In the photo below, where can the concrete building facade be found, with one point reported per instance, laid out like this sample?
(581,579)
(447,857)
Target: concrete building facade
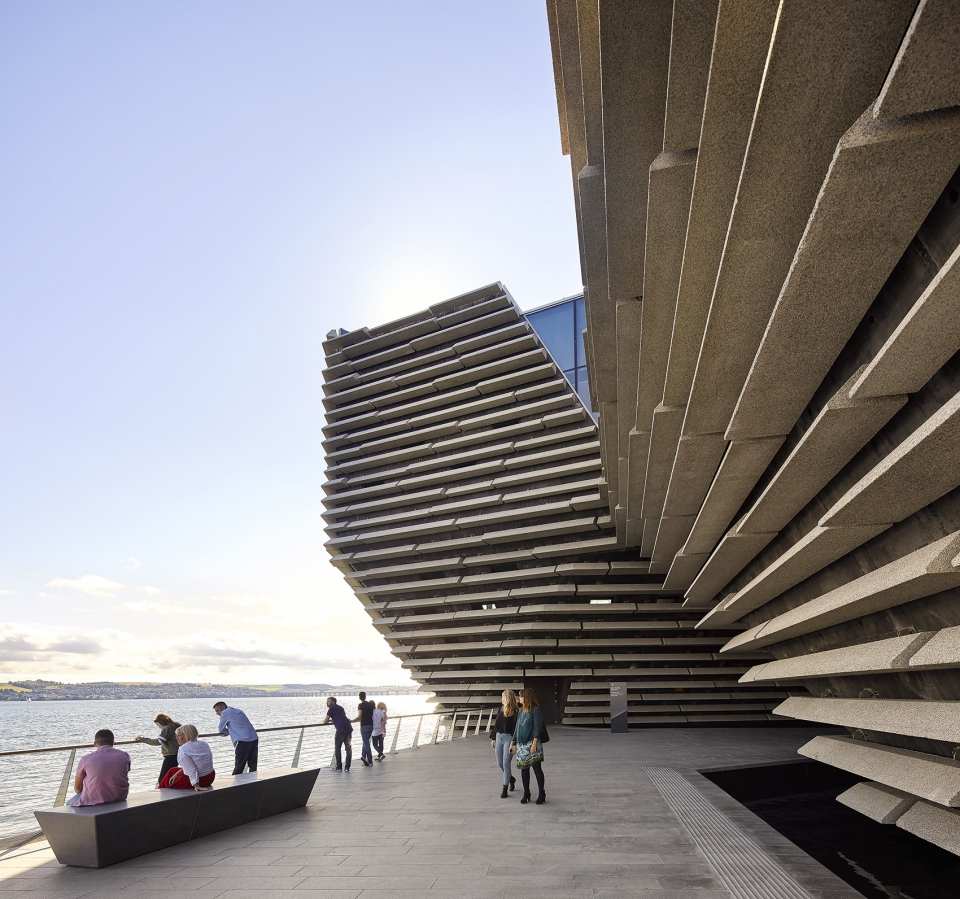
(467,508)
(730,473)
(767,204)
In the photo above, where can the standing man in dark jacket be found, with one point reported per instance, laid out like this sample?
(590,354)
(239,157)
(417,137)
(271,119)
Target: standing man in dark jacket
(245,738)
(338,718)
(365,717)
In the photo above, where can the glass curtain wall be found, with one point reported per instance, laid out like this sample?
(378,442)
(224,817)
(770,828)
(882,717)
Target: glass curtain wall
(560,326)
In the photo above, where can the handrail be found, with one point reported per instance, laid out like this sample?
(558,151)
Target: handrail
(10,843)
(262,730)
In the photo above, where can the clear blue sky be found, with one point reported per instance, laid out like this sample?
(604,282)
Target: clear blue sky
(193,194)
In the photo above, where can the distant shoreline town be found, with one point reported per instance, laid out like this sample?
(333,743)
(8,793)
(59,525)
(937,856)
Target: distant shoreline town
(46,691)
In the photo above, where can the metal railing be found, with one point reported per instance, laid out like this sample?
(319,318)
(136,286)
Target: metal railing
(466,715)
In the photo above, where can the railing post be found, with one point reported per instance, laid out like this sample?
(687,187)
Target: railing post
(416,736)
(490,718)
(65,783)
(436,731)
(479,722)
(453,725)
(396,733)
(296,755)
(466,724)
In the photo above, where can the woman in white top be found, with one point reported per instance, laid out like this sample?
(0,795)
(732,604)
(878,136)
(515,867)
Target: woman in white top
(194,769)
(379,729)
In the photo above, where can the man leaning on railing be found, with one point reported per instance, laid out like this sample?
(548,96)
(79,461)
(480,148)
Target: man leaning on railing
(245,738)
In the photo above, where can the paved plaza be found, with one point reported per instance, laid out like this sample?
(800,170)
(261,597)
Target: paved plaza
(626,815)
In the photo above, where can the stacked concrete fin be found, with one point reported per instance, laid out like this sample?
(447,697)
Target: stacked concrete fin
(467,509)
(767,197)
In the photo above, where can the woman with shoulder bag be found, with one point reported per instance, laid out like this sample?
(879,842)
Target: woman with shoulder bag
(501,738)
(528,743)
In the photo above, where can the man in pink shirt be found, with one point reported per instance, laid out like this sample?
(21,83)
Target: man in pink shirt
(103,775)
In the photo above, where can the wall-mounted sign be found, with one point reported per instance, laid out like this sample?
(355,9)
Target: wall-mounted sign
(618,708)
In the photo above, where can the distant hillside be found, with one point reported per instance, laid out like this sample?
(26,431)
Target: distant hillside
(43,690)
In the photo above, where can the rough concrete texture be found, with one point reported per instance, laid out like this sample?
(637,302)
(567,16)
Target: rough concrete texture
(877,801)
(943,650)
(925,74)
(840,430)
(730,557)
(864,658)
(928,719)
(924,572)
(816,550)
(825,66)
(691,43)
(628,365)
(740,44)
(671,182)
(888,172)
(926,338)
(742,465)
(635,48)
(933,823)
(692,472)
(921,469)
(928,776)
(664,434)
(670,537)
(683,571)
(637,473)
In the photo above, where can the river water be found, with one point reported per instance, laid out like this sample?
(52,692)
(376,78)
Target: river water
(31,782)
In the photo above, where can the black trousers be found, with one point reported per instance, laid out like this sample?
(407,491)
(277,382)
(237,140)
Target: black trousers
(525,777)
(169,761)
(245,754)
(340,740)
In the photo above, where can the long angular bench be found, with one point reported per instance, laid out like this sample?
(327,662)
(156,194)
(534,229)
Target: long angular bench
(95,836)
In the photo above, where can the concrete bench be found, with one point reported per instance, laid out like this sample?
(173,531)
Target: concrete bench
(95,836)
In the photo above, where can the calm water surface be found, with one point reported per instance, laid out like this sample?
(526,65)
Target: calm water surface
(31,782)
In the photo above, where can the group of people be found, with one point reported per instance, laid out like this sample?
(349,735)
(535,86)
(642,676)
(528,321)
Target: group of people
(373,728)
(104,775)
(519,734)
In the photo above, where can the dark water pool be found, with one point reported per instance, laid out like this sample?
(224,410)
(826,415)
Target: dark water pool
(879,860)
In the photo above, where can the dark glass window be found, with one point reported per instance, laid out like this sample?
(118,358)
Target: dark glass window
(555,326)
(560,327)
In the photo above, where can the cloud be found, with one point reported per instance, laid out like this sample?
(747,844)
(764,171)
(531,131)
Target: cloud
(6,592)
(95,585)
(150,607)
(91,584)
(134,563)
(28,643)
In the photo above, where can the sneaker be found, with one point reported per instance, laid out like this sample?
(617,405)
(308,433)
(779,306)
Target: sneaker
(381,757)
(366,764)
(339,768)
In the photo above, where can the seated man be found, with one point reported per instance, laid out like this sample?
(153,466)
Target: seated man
(103,775)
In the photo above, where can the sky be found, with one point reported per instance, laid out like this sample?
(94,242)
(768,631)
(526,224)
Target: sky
(192,195)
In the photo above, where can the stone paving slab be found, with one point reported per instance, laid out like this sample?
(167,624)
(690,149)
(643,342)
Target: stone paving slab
(430,823)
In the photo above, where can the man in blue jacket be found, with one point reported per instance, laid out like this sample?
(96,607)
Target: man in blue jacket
(245,739)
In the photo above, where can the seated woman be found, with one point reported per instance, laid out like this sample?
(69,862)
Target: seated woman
(194,769)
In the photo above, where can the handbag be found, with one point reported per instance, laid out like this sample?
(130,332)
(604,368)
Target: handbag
(544,736)
(525,758)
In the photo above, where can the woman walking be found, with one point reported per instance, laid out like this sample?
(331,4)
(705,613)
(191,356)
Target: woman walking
(527,745)
(379,729)
(501,736)
(166,740)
